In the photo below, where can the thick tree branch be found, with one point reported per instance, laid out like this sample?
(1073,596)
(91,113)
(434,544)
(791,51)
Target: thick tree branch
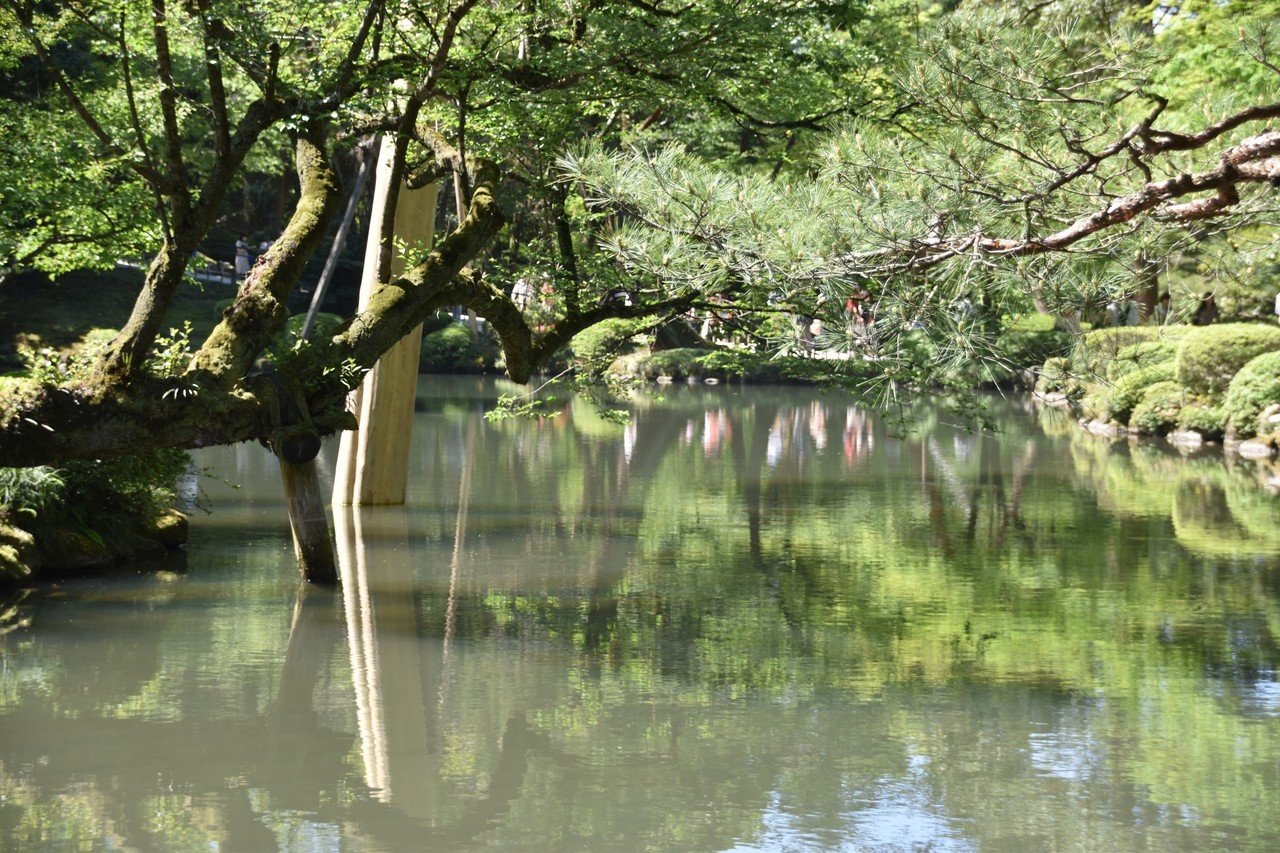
(399,305)
(1254,160)
(129,350)
(259,310)
(52,425)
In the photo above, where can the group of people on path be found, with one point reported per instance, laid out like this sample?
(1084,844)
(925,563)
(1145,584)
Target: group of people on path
(244,258)
(1129,312)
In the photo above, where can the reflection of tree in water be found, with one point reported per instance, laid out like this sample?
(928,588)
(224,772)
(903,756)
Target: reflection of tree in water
(952,628)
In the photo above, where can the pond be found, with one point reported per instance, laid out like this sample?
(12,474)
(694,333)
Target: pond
(749,619)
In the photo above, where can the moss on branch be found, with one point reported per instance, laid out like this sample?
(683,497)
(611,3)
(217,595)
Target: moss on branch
(259,311)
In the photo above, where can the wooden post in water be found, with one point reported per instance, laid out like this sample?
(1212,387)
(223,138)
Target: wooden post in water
(373,462)
(308,519)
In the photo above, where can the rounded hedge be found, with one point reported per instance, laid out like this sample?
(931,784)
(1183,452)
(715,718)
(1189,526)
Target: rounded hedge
(1095,349)
(1157,412)
(1205,418)
(1140,356)
(1255,386)
(452,350)
(1122,397)
(1211,355)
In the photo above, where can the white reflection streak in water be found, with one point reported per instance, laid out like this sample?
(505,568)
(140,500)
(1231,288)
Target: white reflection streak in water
(455,562)
(363,648)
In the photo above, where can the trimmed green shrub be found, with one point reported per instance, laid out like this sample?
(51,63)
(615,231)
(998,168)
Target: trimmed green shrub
(1211,355)
(1141,356)
(1157,412)
(452,350)
(1032,340)
(1055,375)
(1255,386)
(1130,388)
(1203,417)
(612,337)
(1095,349)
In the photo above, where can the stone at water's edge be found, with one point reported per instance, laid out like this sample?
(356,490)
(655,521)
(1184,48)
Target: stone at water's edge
(169,528)
(1102,428)
(1255,449)
(1186,438)
(67,550)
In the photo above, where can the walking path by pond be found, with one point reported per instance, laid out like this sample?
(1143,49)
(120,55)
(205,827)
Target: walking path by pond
(749,619)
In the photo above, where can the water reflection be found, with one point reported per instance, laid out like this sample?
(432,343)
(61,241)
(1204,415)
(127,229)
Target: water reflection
(741,621)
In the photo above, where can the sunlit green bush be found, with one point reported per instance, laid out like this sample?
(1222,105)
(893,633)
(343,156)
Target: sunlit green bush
(1157,412)
(1210,356)
(1141,356)
(1096,349)
(1205,418)
(1255,386)
(1130,388)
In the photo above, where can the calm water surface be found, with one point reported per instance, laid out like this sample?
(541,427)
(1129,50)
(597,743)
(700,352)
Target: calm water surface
(749,620)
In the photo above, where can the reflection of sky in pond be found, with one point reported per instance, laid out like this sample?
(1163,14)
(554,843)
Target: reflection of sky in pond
(1263,697)
(893,815)
(1064,754)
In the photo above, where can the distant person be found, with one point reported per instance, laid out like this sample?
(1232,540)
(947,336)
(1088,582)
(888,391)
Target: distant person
(1278,306)
(1161,314)
(1113,313)
(242,257)
(1132,315)
(1207,312)
(522,293)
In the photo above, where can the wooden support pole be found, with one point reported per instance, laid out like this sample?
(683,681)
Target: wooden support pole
(373,462)
(339,240)
(308,518)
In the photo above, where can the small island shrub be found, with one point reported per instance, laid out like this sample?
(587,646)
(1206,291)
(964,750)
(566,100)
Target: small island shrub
(1210,356)
(454,350)
(610,338)
(690,363)
(1157,412)
(108,503)
(1255,386)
